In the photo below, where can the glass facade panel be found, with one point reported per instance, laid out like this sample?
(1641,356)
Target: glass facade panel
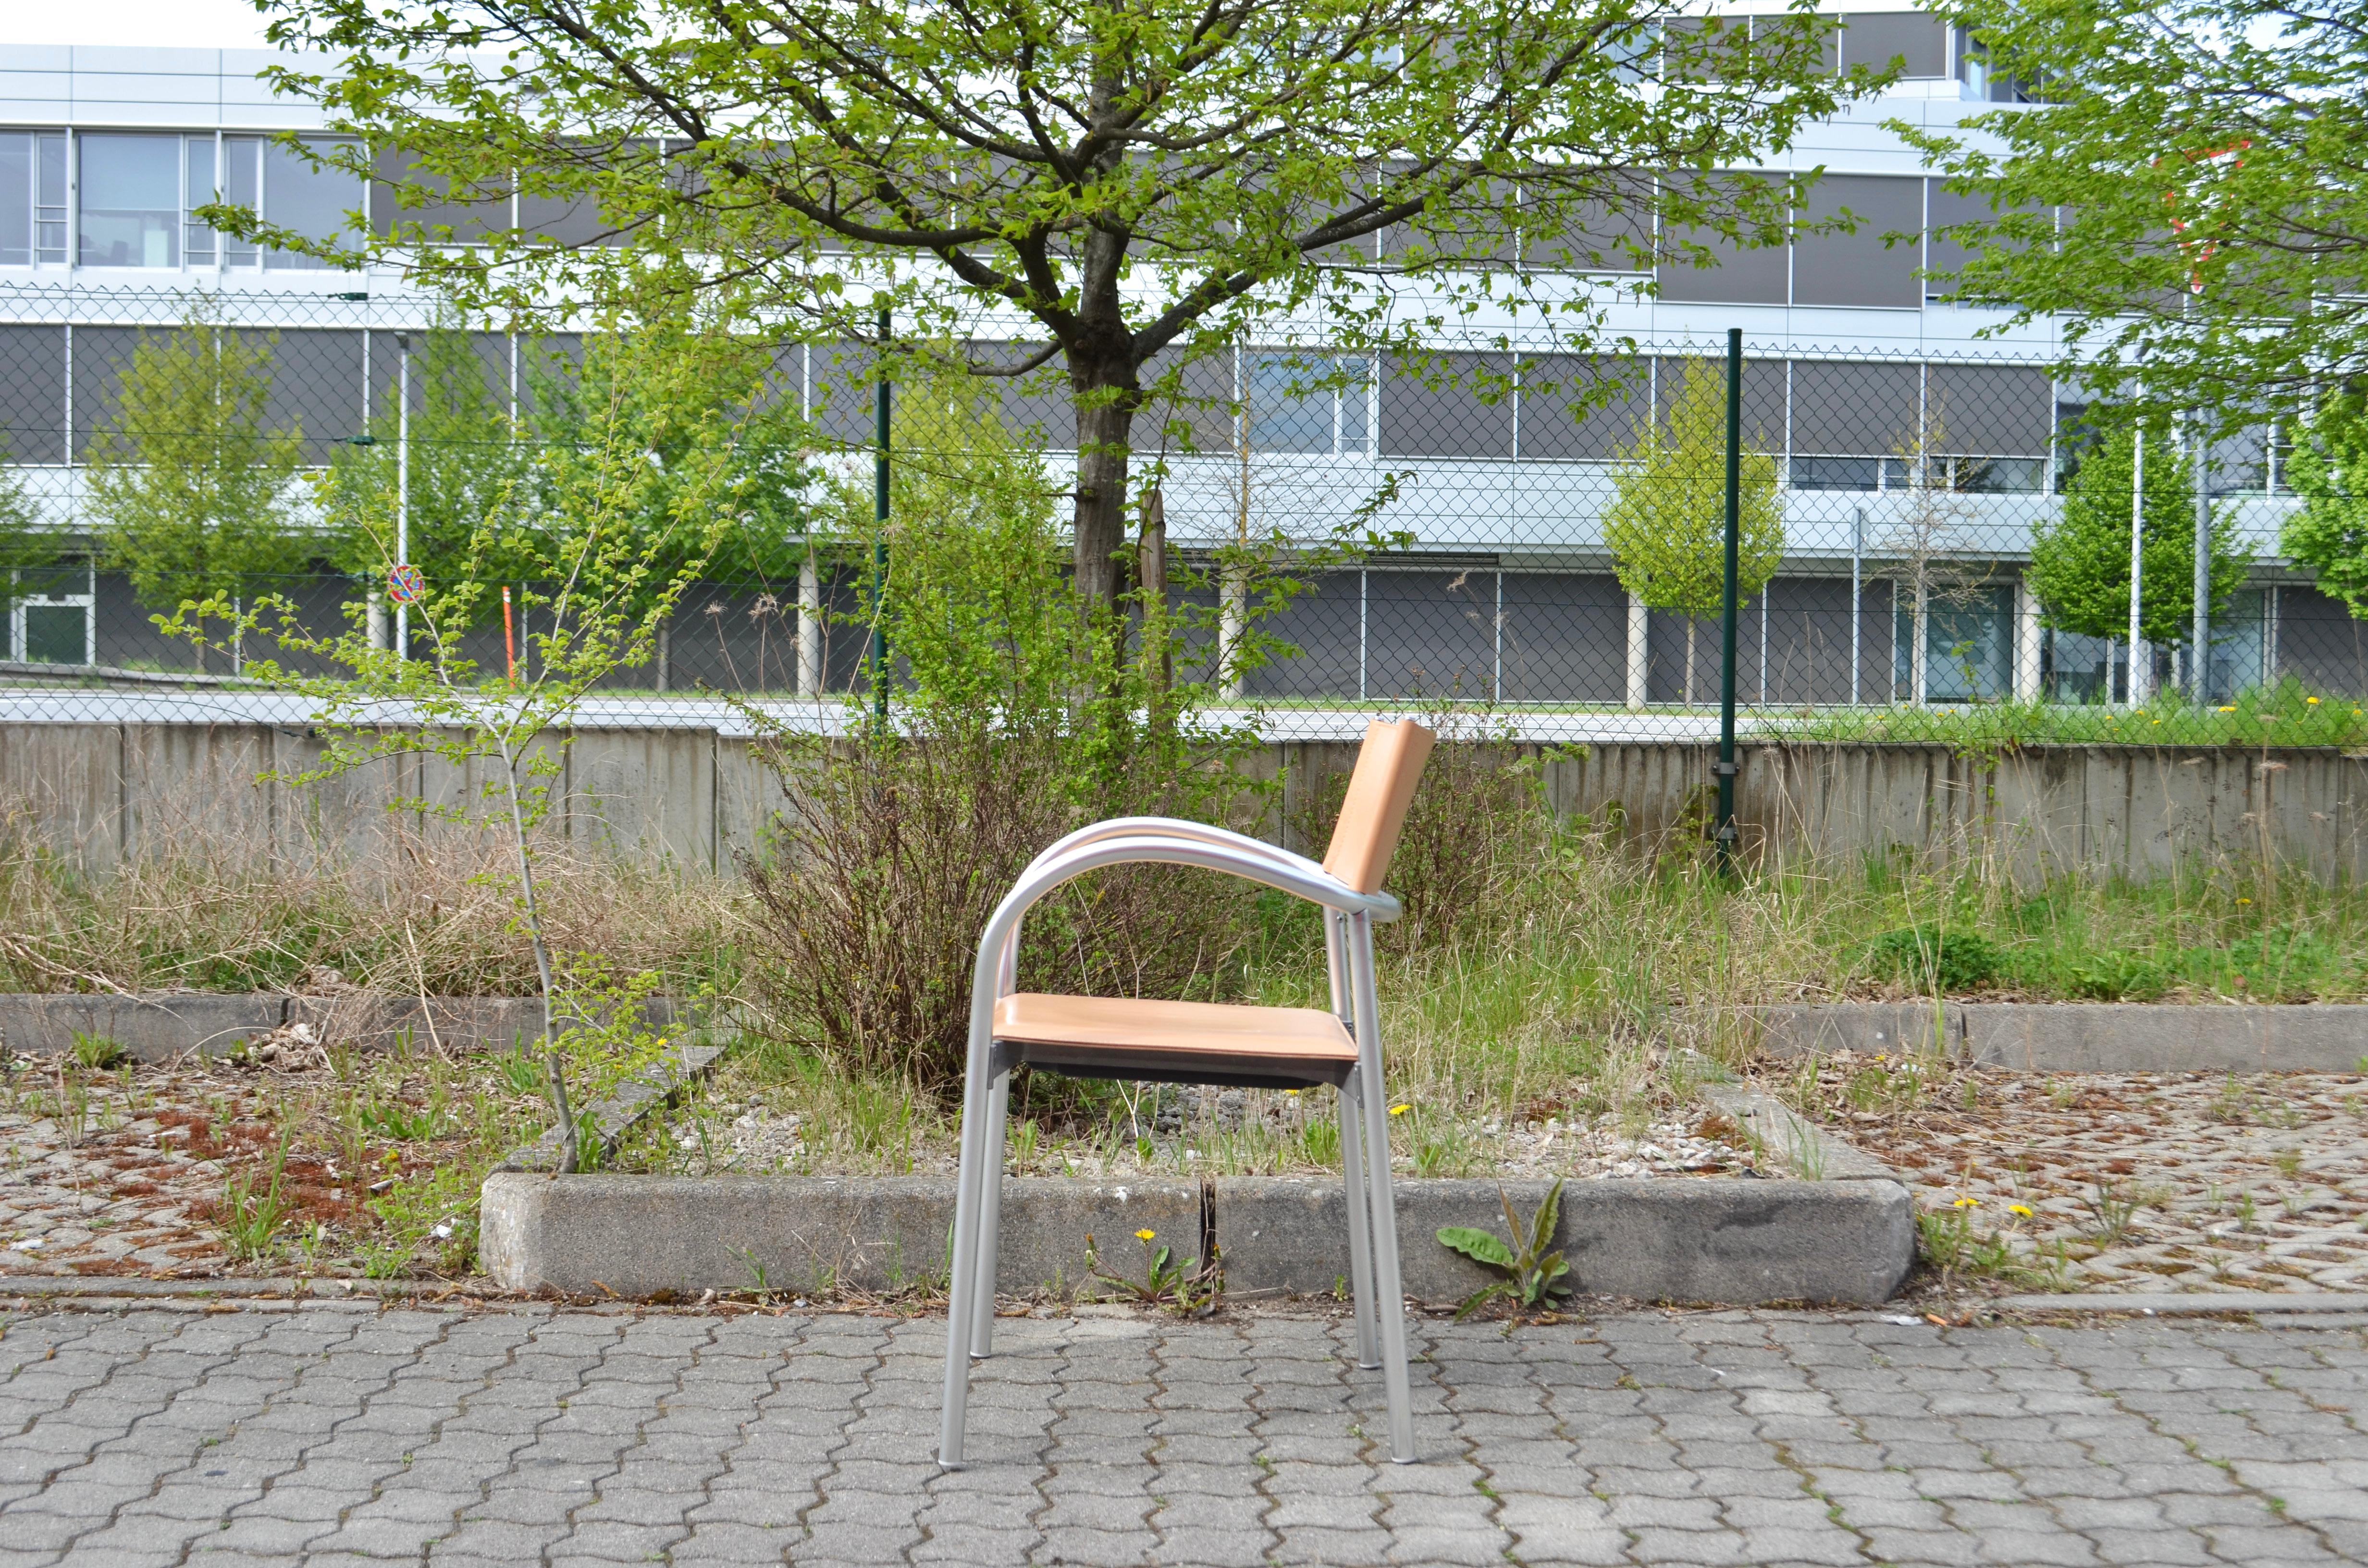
(16,198)
(50,195)
(131,201)
(196,238)
(312,202)
(242,185)
(1968,644)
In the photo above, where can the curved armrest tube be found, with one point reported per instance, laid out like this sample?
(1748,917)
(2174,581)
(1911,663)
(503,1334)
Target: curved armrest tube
(1178,828)
(999,944)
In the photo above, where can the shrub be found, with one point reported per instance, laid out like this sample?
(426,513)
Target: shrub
(1926,958)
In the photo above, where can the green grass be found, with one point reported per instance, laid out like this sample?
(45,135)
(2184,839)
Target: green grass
(2287,715)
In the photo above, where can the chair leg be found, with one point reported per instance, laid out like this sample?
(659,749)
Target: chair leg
(990,1217)
(962,1273)
(1389,1292)
(1361,1254)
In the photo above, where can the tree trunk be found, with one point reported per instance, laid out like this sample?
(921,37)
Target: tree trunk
(1107,396)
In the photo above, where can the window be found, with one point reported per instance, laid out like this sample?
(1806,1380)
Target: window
(1879,38)
(196,239)
(1968,644)
(1286,415)
(310,201)
(32,196)
(50,618)
(242,185)
(1837,473)
(131,201)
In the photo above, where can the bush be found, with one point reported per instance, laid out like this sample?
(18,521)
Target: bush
(1926,958)
(1018,718)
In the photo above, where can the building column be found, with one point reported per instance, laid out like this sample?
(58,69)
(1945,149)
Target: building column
(1639,653)
(809,625)
(2026,642)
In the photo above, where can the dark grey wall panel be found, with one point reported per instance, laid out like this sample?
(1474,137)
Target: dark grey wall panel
(1566,637)
(1858,269)
(1432,634)
(1452,409)
(33,394)
(1879,38)
(1993,409)
(1553,389)
(1853,407)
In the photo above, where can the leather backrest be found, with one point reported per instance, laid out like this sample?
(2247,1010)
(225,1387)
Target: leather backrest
(1388,768)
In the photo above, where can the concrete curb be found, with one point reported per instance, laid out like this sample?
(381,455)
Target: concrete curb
(2081,1036)
(1803,1148)
(1735,1242)
(157,1026)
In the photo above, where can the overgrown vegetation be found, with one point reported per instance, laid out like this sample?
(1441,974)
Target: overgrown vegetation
(2286,714)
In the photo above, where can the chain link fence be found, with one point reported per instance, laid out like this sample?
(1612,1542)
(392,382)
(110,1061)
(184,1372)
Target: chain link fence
(1540,554)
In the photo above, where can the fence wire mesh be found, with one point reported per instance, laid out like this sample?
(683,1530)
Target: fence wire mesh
(1540,556)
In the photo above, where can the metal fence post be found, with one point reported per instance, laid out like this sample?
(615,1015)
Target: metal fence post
(878,655)
(1726,763)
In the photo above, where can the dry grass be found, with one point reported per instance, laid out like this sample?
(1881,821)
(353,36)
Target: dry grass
(433,915)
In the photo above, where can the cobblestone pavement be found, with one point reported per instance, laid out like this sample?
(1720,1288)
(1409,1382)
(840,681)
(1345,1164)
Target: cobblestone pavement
(345,1434)
(2139,1181)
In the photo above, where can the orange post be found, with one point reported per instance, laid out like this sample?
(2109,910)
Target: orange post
(509,638)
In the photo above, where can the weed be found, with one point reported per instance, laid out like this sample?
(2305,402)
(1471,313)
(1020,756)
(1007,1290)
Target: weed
(98,1053)
(2112,1207)
(2288,1162)
(1189,1289)
(1951,1242)
(252,1213)
(1534,1272)
(1925,959)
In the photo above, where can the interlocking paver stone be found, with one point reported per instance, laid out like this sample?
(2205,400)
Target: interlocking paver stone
(320,1435)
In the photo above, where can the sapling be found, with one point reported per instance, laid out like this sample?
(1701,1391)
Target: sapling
(615,533)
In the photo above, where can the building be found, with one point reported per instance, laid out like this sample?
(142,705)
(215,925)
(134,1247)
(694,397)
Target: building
(1860,380)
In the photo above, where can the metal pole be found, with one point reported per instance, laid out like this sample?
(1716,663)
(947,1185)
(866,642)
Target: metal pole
(879,413)
(2199,679)
(402,492)
(2138,561)
(1858,554)
(1725,768)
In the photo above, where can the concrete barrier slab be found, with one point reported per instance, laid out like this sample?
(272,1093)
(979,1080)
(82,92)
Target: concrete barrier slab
(155,1026)
(643,1235)
(2083,1037)
(1731,1240)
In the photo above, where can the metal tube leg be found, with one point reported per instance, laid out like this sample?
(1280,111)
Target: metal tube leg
(990,1217)
(1389,1293)
(1361,1254)
(963,1276)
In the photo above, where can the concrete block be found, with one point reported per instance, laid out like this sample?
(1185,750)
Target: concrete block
(464,1023)
(1870,1029)
(2120,1037)
(642,1235)
(153,1027)
(1709,1240)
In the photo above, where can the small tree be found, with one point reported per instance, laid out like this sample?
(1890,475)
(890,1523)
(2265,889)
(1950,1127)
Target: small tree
(2080,563)
(1923,544)
(190,491)
(603,580)
(27,548)
(2329,472)
(1667,526)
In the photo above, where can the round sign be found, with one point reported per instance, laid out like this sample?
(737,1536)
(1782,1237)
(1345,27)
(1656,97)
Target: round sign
(405,584)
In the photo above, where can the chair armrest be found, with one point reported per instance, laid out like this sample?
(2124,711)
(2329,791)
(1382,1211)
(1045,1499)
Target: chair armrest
(1178,828)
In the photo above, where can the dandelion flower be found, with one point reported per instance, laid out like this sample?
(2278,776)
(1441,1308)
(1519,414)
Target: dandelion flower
(2243,900)
(2313,701)
(2230,709)
(1144,1235)
(1966,1203)
(1400,1110)
(2020,1210)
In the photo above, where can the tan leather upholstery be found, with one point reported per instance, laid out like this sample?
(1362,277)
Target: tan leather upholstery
(1389,766)
(1125,1037)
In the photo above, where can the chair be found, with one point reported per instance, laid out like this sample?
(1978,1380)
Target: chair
(1193,1043)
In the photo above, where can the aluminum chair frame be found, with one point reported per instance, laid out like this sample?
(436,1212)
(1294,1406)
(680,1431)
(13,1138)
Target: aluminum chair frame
(1348,920)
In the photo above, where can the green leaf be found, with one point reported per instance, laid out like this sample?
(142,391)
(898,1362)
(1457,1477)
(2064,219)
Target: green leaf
(1476,1244)
(1549,1214)
(1481,1297)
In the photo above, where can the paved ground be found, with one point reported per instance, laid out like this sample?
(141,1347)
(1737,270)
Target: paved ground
(348,1435)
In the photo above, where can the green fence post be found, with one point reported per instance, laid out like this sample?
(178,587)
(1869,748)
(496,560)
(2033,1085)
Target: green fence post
(877,653)
(1725,765)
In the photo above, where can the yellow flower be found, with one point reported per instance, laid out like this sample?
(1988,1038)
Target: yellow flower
(1400,1110)
(1144,1235)
(1292,1093)
(2243,900)
(2020,1210)
(2230,709)
(2312,701)
(1966,1203)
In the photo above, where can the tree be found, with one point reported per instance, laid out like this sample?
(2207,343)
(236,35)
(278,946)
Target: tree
(2329,472)
(2212,158)
(1667,526)
(190,491)
(27,548)
(1923,543)
(1128,184)
(2079,568)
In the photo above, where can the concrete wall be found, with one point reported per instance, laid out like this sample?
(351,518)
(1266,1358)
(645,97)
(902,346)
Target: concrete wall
(100,793)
